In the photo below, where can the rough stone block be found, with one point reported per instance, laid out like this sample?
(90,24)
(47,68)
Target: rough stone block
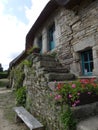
(88,124)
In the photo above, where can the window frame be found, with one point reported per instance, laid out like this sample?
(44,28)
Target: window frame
(51,38)
(40,43)
(87,61)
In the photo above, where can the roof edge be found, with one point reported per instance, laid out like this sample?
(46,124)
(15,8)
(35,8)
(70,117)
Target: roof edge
(62,2)
(51,6)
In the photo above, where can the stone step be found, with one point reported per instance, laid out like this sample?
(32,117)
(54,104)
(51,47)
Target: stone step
(59,76)
(44,58)
(47,64)
(85,111)
(56,70)
(88,124)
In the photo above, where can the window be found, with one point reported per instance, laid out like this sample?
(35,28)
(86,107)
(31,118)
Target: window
(51,37)
(40,43)
(87,62)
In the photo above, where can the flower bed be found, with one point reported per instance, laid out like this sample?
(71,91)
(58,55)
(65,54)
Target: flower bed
(72,94)
(76,93)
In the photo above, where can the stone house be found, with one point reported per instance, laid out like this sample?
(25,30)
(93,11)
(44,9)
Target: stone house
(69,28)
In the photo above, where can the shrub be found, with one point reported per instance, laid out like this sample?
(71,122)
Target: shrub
(21,96)
(3,74)
(67,118)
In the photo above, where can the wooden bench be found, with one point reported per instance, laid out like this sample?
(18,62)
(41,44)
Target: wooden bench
(27,118)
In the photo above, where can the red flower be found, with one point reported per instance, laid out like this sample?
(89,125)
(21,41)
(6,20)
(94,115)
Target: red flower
(92,80)
(59,86)
(85,81)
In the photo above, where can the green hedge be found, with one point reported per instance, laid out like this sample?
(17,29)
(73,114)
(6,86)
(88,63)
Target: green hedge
(3,75)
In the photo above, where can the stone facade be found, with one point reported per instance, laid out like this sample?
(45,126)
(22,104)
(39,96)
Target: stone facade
(76,30)
(40,84)
(39,80)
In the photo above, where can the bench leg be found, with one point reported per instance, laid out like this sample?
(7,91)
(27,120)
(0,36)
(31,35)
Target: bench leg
(17,119)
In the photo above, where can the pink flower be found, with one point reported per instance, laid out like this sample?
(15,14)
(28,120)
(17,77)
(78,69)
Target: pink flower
(50,94)
(89,93)
(70,96)
(78,93)
(58,97)
(73,86)
(78,101)
(73,105)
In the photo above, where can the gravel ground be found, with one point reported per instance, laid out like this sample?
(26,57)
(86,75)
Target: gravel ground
(7,115)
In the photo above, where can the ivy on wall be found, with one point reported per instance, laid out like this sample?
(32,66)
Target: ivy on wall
(17,75)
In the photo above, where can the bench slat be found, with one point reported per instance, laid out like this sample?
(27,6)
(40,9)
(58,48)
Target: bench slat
(30,121)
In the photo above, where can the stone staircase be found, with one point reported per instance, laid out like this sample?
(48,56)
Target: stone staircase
(52,68)
(48,69)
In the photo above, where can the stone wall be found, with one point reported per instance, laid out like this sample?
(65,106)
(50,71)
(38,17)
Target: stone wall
(39,82)
(39,102)
(40,86)
(76,30)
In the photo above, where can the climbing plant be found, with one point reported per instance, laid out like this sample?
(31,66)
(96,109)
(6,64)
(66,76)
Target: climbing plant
(19,76)
(21,96)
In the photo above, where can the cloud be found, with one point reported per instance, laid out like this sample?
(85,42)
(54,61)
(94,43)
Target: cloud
(12,37)
(33,12)
(13,31)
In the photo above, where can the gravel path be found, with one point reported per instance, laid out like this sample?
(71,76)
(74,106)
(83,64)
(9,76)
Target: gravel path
(7,115)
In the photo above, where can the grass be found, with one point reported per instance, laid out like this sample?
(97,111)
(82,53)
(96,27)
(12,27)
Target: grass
(4,82)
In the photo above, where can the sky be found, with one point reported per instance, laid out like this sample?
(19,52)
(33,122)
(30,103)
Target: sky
(16,19)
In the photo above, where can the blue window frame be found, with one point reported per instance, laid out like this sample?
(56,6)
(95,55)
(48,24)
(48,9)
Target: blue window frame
(87,62)
(40,43)
(51,37)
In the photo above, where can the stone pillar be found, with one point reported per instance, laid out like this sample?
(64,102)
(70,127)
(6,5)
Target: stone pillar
(95,60)
(44,41)
(75,66)
(35,42)
(57,33)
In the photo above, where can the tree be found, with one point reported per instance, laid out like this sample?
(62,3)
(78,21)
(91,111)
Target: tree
(1,68)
